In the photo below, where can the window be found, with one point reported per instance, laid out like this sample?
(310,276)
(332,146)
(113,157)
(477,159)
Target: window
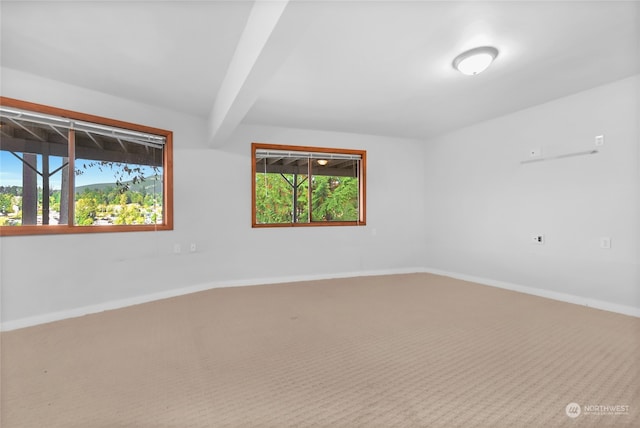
(307,186)
(68,172)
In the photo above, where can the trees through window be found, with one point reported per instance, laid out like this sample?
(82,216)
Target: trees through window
(66,172)
(307,186)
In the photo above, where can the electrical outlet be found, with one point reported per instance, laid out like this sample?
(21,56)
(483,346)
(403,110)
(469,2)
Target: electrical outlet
(177,248)
(605,242)
(599,140)
(537,239)
(192,247)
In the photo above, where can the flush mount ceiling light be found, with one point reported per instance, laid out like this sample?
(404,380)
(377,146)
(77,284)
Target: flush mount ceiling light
(475,61)
(322,162)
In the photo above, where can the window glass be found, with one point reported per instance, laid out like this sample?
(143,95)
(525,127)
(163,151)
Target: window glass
(335,191)
(307,186)
(58,169)
(118,182)
(34,167)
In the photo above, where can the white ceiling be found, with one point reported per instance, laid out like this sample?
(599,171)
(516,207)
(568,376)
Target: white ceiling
(372,67)
(168,53)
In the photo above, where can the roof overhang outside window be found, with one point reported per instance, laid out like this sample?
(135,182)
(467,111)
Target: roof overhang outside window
(297,162)
(32,132)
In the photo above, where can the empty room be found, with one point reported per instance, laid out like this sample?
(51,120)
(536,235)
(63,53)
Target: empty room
(319,214)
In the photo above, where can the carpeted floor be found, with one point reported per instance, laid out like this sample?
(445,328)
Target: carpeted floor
(413,350)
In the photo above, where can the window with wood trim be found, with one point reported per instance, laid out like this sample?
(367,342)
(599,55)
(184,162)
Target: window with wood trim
(308,186)
(68,172)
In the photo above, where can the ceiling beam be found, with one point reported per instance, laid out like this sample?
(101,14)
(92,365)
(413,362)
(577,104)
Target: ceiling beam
(271,32)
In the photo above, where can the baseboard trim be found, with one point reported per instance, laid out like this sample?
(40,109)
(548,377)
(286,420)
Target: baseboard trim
(123,303)
(137,300)
(562,297)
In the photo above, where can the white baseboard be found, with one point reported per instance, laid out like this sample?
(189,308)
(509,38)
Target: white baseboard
(122,303)
(562,297)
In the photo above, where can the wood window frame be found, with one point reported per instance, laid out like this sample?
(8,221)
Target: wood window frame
(362,182)
(71,228)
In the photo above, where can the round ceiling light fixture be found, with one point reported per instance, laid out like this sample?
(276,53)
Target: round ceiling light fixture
(475,61)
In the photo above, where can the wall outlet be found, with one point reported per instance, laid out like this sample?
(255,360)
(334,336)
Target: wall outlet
(177,248)
(605,242)
(535,152)
(193,247)
(537,239)
(599,140)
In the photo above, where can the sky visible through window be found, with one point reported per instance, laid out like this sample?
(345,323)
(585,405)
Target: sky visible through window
(11,172)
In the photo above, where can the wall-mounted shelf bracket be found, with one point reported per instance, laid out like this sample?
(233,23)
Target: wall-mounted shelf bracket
(568,155)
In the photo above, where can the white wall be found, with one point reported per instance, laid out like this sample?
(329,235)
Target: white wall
(462,203)
(392,238)
(482,205)
(49,277)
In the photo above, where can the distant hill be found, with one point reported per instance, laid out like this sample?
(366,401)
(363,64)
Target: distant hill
(145,186)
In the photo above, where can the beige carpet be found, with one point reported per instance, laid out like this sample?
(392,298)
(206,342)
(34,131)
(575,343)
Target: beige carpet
(391,351)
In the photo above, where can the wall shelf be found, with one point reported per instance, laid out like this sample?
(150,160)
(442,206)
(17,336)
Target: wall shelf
(568,155)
